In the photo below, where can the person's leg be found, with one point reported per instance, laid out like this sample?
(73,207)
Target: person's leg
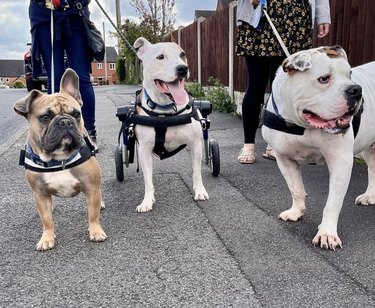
(258,69)
(45,48)
(80,61)
(275,63)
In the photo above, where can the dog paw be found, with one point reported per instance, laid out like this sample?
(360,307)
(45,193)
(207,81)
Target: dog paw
(365,199)
(97,234)
(290,214)
(327,241)
(102,205)
(46,242)
(144,207)
(201,195)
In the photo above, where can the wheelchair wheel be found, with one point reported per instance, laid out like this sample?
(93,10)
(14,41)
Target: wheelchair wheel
(119,163)
(214,155)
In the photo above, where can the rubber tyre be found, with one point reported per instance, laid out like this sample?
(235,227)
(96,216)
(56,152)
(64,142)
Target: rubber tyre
(119,164)
(214,157)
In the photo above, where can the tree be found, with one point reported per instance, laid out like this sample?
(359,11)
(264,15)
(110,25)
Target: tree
(156,15)
(131,31)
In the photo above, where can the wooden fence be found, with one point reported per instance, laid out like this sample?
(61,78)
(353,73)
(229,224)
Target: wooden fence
(209,43)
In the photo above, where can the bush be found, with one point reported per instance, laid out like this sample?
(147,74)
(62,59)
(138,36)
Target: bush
(359,161)
(195,89)
(120,70)
(219,96)
(18,84)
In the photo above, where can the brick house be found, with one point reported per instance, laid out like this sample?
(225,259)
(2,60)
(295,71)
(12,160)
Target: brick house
(104,72)
(10,71)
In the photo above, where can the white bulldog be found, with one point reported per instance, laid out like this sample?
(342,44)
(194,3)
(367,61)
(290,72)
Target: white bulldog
(308,121)
(163,96)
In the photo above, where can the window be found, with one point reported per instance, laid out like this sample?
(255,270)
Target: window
(99,66)
(112,66)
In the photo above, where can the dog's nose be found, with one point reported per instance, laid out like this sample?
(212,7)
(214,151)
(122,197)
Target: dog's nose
(354,92)
(64,122)
(182,70)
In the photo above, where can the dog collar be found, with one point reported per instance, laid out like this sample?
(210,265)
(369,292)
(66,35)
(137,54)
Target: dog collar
(33,162)
(153,105)
(277,122)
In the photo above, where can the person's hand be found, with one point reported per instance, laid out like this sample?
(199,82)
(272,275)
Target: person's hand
(254,3)
(323,30)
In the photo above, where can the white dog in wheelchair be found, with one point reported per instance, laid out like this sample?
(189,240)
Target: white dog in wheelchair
(164,72)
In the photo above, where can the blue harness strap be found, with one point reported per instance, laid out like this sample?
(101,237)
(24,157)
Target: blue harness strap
(33,162)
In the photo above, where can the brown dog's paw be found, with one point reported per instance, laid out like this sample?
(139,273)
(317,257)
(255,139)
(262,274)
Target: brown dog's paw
(46,242)
(97,234)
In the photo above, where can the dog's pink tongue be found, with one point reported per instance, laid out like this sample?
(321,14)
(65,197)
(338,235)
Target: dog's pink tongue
(177,89)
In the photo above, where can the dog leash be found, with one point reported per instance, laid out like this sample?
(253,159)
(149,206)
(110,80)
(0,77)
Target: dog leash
(276,33)
(52,61)
(130,46)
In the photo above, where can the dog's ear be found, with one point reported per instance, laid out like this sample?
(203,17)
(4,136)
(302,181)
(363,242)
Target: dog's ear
(22,107)
(70,84)
(141,45)
(300,61)
(334,51)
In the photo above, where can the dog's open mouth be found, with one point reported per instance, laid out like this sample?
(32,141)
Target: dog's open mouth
(175,90)
(337,124)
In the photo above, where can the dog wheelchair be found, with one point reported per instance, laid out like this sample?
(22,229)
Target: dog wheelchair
(125,150)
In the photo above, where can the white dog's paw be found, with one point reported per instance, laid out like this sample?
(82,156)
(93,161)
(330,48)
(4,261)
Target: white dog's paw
(327,240)
(102,205)
(201,194)
(365,199)
(144,207)
(291,214)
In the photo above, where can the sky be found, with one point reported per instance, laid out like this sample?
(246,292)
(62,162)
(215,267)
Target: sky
(15,25)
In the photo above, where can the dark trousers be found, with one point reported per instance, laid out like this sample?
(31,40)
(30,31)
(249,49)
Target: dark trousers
(73,42)
(261,70)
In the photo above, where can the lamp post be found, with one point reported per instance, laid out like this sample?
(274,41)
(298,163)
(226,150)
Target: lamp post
(118,21)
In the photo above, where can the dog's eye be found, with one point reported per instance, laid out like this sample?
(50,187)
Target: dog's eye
(183,55)
(45,118)
(324,79)
(76,115)
(160,57)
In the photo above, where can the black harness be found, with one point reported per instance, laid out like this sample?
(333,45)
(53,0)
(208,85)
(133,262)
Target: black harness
(33,162)
(160,122)
(277,122)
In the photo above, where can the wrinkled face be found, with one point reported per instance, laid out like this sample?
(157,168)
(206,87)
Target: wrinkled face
(318,90)
(165,70)
(55,122)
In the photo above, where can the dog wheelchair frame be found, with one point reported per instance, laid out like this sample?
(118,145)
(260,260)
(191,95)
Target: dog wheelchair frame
(126,143)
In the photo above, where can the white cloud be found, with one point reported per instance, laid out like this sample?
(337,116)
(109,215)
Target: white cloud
(15,24)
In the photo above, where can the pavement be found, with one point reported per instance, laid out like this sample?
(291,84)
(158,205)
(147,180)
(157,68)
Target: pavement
(230,251)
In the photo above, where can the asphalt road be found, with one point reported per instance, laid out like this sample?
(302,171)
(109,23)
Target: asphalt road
(10,122)
(230,251)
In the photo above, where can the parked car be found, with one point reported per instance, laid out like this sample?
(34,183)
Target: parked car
(34,82)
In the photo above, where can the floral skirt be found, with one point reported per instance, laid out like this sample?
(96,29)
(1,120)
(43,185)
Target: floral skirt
(292,19)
